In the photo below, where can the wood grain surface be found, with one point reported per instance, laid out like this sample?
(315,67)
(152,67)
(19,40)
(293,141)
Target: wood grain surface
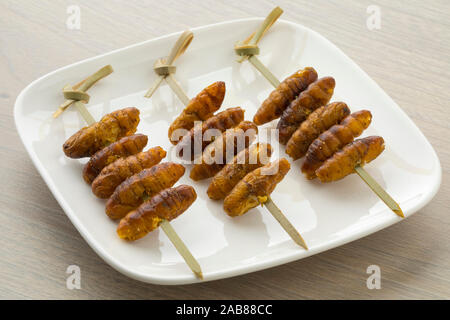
(409,57)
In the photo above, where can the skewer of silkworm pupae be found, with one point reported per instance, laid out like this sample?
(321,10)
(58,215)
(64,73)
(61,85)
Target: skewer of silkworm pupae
(187,141)
(368,179)
(248,49)
(164,224)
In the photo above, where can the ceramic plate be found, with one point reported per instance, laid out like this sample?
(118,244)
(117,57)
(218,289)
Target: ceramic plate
(327,215)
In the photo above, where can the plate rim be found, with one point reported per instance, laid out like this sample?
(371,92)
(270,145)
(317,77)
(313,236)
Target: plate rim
(212,275)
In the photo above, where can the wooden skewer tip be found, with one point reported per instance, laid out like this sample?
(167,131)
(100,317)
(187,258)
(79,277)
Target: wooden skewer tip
(379,191)
(399,212)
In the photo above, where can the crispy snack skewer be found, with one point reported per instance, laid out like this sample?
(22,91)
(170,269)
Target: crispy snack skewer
(177,242)
(165,225)
(350,159)
(362,173)
(156,212)
(231,118)
(294,234)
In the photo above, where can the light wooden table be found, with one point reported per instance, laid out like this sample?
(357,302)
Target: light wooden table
(409,57)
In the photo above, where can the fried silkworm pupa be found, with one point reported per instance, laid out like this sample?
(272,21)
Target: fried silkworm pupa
(113,174)
(343,162)
(279,99)
(166,205)
(255,187)
(98,135)
(316,95)
(125,147)
(223,149)
(318,121)
(143,185)
(200,108)
(243,163)
(334,139)
(195,141)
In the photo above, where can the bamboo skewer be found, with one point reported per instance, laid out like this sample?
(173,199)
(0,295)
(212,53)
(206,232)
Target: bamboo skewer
(81,108)
(248,49)
(175,86)
(282,220)
(164,68)
(285,223)
(379,191)
(82,87)
(362,173)
(165,225)
(264,71)
(181,248)
(154,87)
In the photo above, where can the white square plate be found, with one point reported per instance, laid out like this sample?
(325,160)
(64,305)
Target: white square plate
(327,215)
